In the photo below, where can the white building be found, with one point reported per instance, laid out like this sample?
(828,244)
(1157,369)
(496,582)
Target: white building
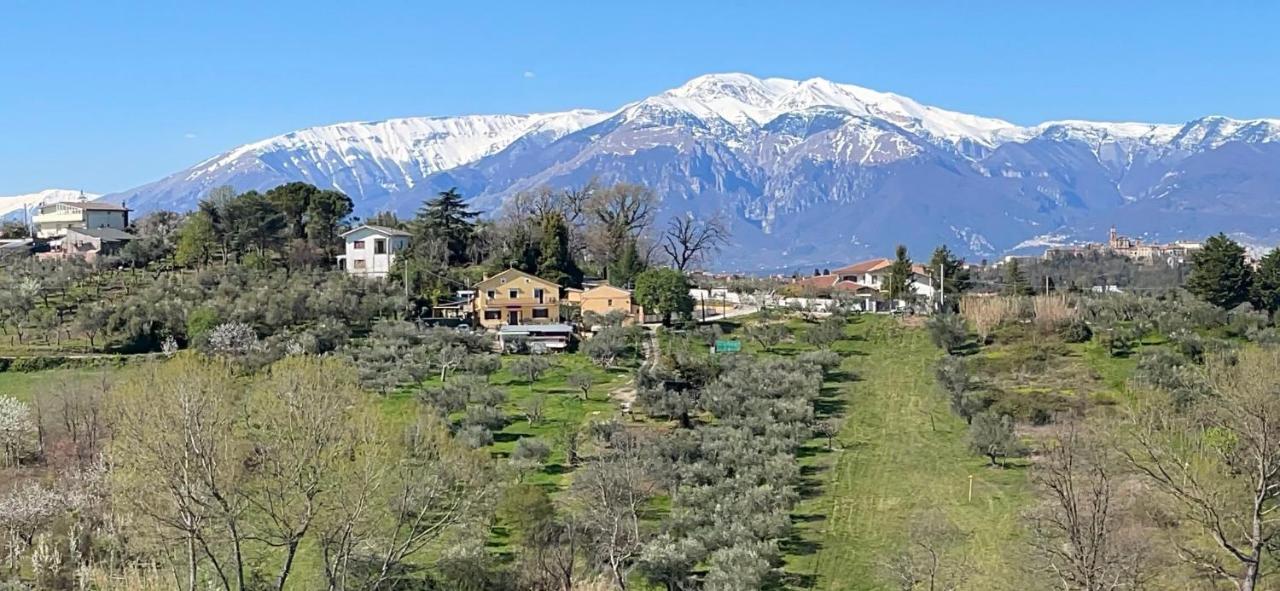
(371,250)
(54,219)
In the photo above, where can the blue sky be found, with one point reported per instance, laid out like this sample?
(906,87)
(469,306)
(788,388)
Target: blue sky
(104,96)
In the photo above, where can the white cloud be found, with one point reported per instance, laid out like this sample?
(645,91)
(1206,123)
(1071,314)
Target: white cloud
(189,135)
(529,74)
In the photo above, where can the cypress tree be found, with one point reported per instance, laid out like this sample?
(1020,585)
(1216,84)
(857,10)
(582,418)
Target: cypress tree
(628,264)
(556,263)
(899,285)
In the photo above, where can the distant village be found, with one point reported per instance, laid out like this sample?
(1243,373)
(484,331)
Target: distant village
(1131,248)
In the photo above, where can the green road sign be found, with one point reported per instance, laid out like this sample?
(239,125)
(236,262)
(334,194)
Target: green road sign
(728,346)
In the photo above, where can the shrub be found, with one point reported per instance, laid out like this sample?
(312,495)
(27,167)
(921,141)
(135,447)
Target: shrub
(1243,319)
(947,331)
(1119,341)
(993,436)
(475,436)
(606,346)
(1075,331)
(1267,337)
(1165,370)
(200,321)
(531,449)
(825,360)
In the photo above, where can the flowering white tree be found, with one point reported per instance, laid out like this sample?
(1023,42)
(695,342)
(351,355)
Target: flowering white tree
(17,430)
(233,338)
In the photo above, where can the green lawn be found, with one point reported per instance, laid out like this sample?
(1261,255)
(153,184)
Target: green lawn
(900,453)
(26,386)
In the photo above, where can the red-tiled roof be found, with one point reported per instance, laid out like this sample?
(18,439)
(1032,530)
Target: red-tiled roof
(863,267)
(873,265)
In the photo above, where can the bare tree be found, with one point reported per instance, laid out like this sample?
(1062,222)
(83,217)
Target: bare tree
(610,494)
(928,562)
(305,412)
(175,462)
(1082,533)
(1218,466)
(688,241)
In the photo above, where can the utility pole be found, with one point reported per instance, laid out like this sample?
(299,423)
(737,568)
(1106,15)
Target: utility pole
(942,286)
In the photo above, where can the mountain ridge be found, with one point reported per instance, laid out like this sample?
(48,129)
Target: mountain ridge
(770,153)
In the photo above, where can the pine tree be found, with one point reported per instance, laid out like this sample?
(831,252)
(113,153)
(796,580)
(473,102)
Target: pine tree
(899,282)
(446,218)
(1266,282)
(1015,281)
(556,263)
(955,276)
(1219,273)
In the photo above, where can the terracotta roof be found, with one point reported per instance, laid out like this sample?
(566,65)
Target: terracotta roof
(818,281)
(509,275)
(867,266)
(599,290)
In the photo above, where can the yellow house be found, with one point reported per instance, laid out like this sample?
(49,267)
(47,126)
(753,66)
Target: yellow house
(516,297)
(603,299)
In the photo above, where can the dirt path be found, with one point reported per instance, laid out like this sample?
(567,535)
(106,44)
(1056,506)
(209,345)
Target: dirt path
(625,395)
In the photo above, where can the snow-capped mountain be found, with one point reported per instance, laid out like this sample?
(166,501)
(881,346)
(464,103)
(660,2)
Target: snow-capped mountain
(809,171)
(11,207)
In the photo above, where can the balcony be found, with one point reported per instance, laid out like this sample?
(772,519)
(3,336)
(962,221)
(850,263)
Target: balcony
(503,302)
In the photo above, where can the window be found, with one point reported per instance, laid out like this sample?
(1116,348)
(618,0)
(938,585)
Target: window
(357,245)
(379,246)
(540,313)
(513,293)
(493,314)
(537,294)
(609,303)
(490,294)
(359,264)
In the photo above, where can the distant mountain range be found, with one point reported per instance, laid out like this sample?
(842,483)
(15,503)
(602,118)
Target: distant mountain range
(810,172)
(11,207)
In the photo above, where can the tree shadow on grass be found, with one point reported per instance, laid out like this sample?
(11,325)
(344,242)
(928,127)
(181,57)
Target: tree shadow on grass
(796,545)
(503,437)
(555,469)
(828,407)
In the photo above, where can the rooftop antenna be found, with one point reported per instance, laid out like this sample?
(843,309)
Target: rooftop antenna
(82,199)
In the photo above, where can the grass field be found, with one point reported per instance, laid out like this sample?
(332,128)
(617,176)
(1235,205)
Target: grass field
(901,453)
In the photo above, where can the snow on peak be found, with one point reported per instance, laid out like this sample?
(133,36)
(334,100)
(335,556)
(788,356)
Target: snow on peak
(742,99)
(429,144)
(29,201)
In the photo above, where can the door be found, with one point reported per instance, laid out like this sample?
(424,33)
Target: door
(513,317)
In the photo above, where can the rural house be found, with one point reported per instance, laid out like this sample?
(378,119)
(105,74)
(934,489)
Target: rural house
(371,250)
(54,219)
(516,297)
(603,299)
